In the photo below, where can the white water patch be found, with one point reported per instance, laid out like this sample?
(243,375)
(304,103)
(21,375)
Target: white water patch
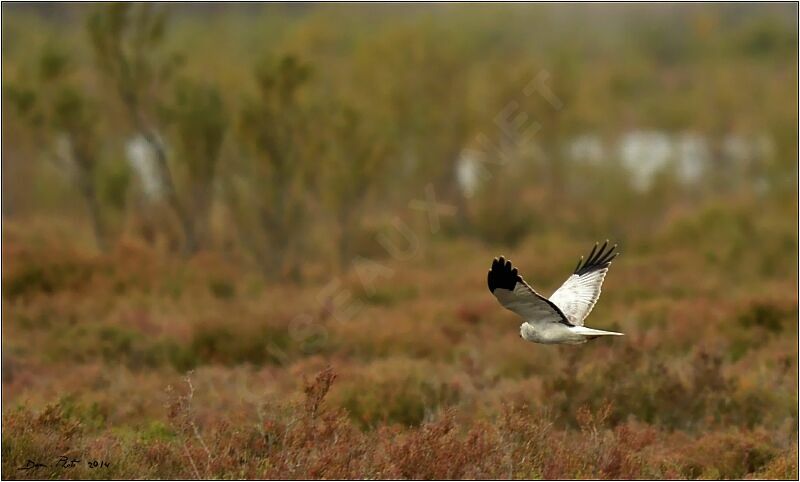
(692,158)
(62,149)
(467,174)
(645,154)
(142,158)
(587,148)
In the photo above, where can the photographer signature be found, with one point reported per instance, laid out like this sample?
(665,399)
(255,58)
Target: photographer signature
(66,463)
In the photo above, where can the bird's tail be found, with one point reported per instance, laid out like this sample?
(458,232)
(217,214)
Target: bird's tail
(586,331)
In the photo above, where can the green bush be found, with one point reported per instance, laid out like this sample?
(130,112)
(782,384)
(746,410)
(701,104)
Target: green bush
(222,289)
(763,315)
(407,396)
(43,277)
(227,343)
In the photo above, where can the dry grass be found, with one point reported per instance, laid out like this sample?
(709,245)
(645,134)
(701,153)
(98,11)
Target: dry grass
(168,369)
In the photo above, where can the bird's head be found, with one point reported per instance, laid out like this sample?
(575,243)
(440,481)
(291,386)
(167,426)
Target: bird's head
(527,332)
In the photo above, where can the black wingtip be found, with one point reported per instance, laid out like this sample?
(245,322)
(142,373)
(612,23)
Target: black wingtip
(597,260)
(502,275)
(579,264)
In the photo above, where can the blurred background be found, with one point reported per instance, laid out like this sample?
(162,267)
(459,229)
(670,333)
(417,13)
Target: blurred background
(254,192)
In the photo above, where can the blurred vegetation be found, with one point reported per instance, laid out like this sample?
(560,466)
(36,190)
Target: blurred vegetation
(226,199)
(296,134)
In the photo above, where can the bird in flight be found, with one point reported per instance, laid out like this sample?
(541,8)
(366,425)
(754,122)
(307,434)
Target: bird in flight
(559,319)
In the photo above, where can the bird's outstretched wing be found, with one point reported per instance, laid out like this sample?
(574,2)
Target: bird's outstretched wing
(515,294)
(577,296)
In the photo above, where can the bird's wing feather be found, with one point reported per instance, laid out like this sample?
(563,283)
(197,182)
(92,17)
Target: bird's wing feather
(516,295)
(578,295)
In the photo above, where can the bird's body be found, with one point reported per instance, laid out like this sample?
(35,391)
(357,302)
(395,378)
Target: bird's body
(559,334)
(559,319)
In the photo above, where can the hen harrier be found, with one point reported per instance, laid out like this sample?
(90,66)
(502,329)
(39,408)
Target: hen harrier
(558,320)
